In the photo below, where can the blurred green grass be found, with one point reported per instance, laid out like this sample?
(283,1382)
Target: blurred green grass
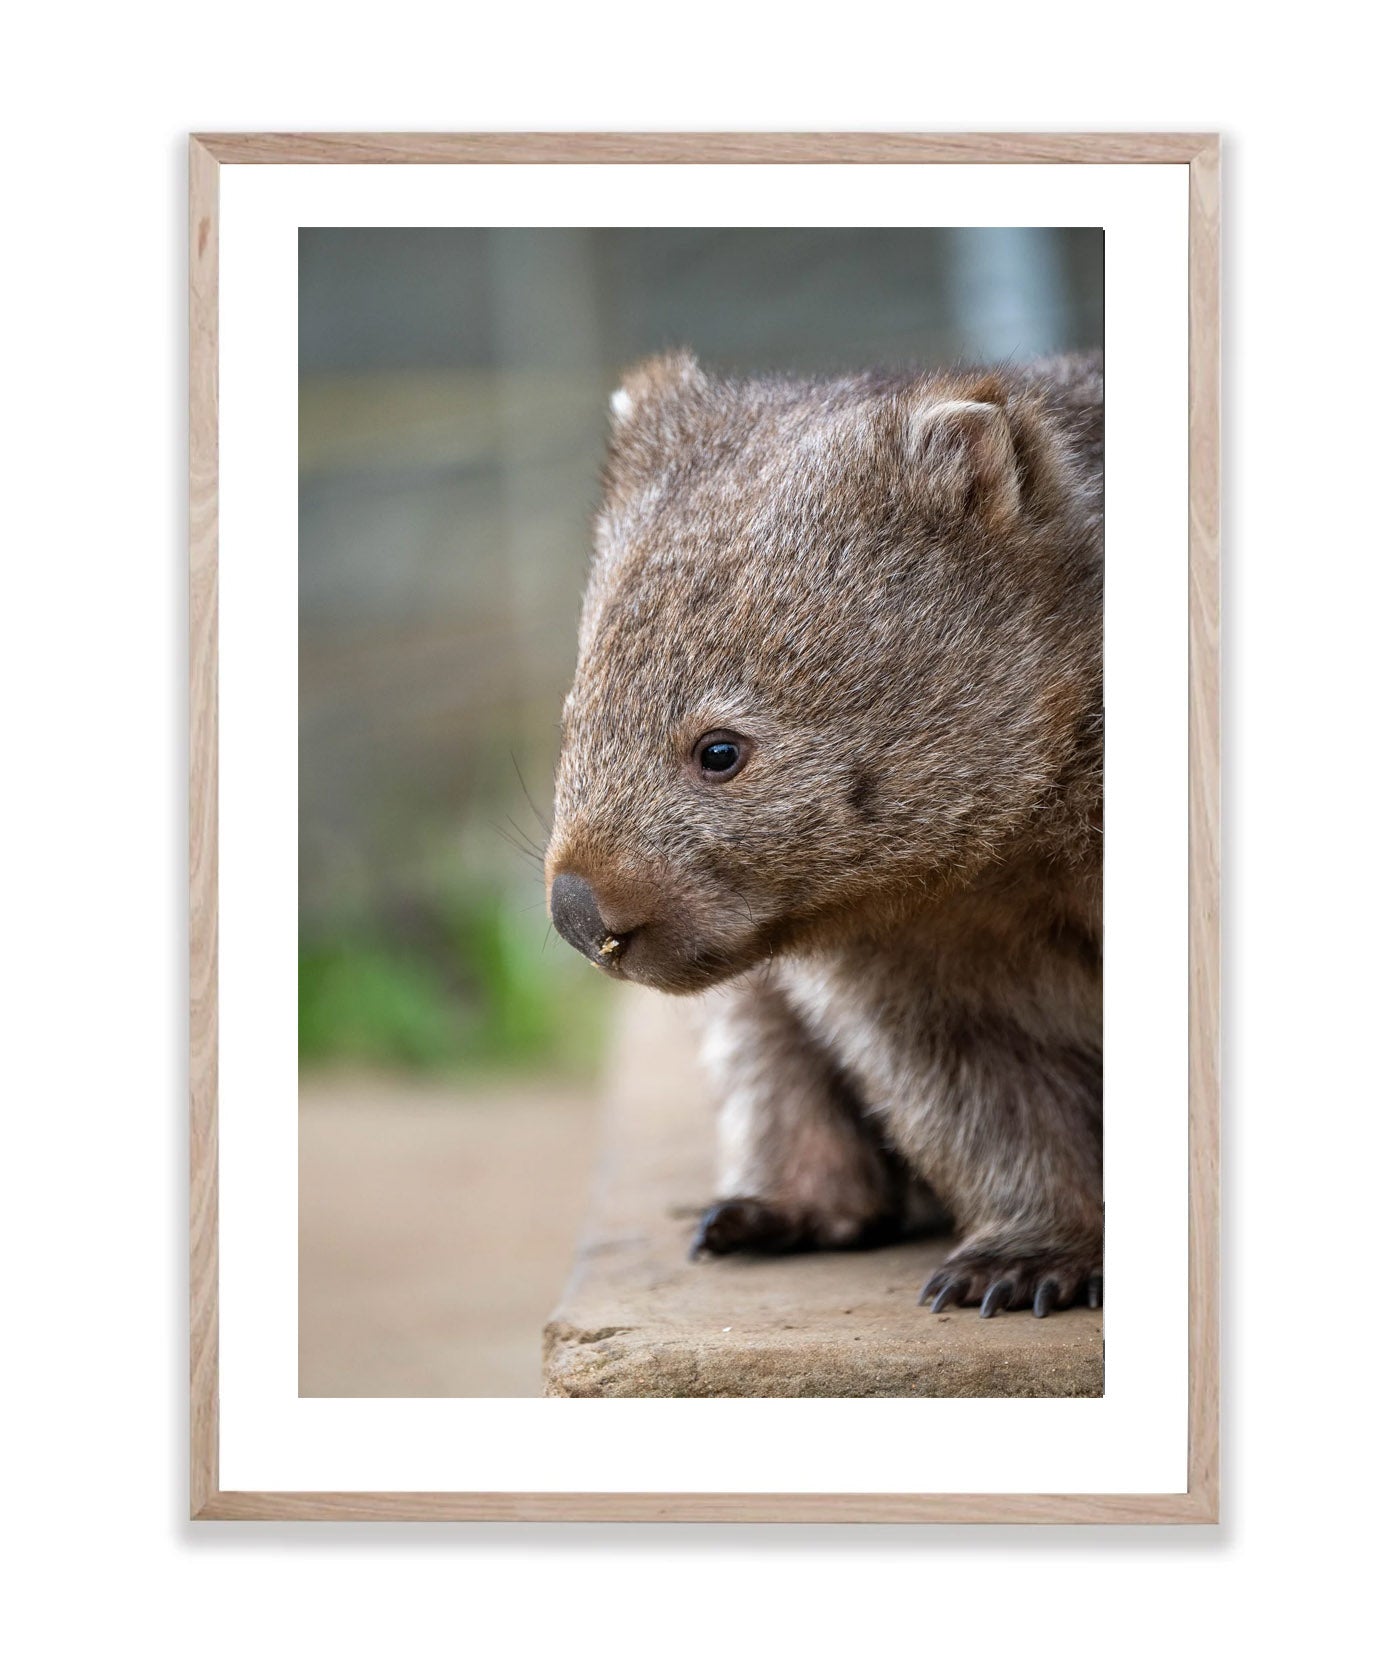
(449,983)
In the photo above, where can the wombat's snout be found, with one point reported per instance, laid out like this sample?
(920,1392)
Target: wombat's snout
(574,911)
(635,921)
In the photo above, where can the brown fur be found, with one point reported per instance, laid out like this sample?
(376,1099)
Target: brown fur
(891,586)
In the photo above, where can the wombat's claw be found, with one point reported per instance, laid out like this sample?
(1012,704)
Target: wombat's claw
(997,1296)
(1047,1297)
(1046,1283)
(952,1294)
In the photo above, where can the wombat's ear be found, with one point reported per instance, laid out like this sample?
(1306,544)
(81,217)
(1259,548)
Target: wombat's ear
(654,380)
(965,456)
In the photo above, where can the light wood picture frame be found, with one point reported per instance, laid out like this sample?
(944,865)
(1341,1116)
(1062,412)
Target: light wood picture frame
(1200,154)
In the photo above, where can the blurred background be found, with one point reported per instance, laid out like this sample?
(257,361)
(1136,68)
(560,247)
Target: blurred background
(454,386)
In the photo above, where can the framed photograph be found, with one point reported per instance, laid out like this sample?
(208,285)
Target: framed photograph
(704,827)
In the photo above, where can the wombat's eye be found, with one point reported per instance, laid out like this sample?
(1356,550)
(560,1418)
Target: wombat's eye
(720,756)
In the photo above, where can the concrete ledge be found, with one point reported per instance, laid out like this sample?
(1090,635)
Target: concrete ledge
(638,1319)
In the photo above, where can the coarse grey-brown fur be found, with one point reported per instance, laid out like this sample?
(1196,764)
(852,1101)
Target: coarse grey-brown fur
(889,589)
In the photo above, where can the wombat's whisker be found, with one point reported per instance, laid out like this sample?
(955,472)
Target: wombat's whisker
(539,815)
(518,842)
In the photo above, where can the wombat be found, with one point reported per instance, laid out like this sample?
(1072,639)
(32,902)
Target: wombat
(835,745)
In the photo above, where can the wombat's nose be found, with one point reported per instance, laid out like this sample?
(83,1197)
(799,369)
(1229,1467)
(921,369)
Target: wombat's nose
(574,911)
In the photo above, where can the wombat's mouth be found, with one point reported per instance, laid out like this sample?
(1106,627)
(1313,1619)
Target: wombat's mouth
(650,963)
(658,957)
(649,957)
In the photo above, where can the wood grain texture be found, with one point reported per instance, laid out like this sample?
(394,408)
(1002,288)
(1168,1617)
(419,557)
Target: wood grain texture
(1200,1504)
(204,825)
(710,1507)
(703,148)
(1203,632)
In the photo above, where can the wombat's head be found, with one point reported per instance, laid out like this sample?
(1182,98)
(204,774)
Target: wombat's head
(824,662)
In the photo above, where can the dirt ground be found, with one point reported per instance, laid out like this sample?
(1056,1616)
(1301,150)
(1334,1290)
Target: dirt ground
(438,1225)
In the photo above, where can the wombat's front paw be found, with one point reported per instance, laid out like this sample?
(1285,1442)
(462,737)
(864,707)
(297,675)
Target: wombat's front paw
(1045,1282)
(745,1225)
(748,1225)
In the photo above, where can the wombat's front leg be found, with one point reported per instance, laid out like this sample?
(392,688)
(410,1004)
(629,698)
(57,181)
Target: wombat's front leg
(798,1168)
(1013,1132)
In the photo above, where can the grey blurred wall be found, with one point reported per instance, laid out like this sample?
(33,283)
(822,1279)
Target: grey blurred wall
(454,385)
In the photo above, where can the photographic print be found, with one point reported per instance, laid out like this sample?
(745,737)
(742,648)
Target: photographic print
(694,963)
(832,754)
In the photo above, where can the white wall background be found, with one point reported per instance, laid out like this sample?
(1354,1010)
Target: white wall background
(91,662)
